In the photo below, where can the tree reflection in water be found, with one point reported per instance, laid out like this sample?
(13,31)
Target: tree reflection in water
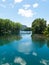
(9,38)
(40,40)
(48,42)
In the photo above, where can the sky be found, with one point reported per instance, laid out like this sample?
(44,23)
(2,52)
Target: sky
(24,11)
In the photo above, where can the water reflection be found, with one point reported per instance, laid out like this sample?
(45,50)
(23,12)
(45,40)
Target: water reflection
(6,64)
(19,60)
(40,41)
(45,62)
(8,39)
(25,48)
(48,43)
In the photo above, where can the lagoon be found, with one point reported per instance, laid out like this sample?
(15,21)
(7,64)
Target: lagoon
(23,50)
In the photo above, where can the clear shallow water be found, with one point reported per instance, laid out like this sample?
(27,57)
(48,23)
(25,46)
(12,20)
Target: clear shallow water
(23,50)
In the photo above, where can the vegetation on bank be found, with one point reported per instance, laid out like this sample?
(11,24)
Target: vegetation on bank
(39,26)
(46,32)
(9,27)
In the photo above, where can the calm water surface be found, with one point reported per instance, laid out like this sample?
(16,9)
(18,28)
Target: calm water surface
(23,50)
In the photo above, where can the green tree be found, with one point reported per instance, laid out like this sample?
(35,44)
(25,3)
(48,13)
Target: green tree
(16,28)
(1,26)
(46,32)
(38,26)
(8,27)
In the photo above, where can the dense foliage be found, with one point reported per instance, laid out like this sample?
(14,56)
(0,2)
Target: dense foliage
(38,26)
(7,27)
(46,32)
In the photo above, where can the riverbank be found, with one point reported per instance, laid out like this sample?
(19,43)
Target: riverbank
(39,36)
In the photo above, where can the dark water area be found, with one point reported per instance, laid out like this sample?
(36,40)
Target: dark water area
(23,50)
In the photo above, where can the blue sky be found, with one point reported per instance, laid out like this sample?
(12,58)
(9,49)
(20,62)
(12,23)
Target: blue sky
(24,11)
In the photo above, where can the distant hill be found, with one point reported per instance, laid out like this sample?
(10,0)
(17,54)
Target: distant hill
(23,27)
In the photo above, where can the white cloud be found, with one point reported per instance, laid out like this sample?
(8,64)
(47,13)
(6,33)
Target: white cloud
(26,6)
(26,13)
(1,5)
(35,5)
(3,0)
(19,60)
(17,1)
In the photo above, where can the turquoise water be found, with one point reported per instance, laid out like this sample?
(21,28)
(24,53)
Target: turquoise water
(23,50)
